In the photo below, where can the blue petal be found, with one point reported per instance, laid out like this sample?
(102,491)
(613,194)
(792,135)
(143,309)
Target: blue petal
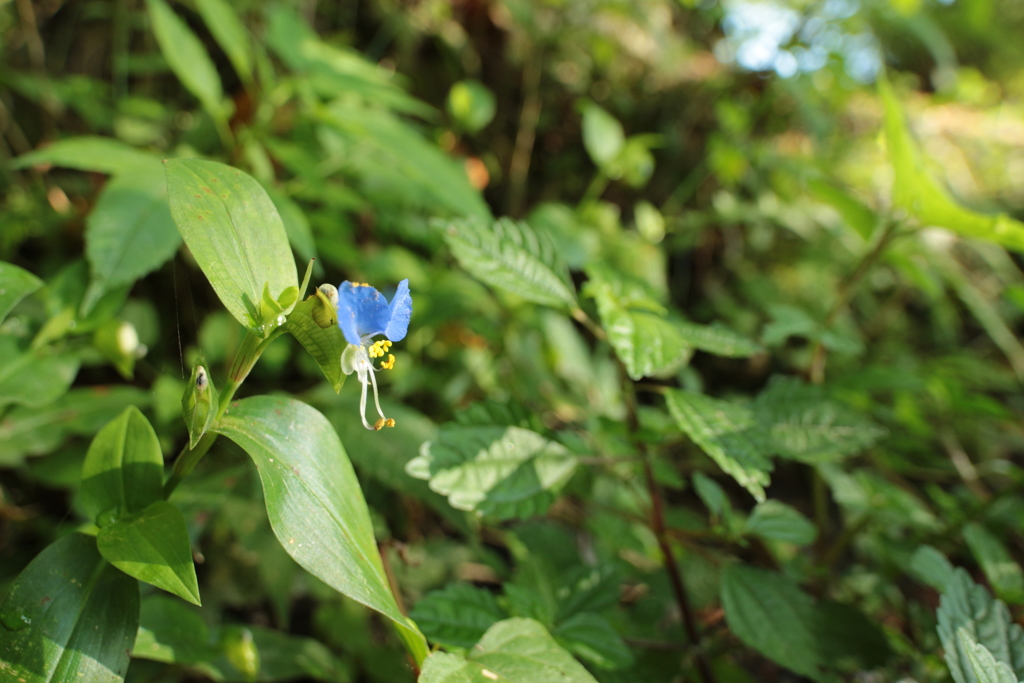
(399,311)
(362,311)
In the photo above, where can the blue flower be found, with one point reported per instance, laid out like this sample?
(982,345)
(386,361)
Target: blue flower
(364,313)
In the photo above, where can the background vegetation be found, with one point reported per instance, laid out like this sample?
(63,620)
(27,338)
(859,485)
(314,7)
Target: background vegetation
(713,372)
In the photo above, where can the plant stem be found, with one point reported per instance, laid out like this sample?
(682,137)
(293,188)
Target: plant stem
(847,288)
(519,167)
(248,353)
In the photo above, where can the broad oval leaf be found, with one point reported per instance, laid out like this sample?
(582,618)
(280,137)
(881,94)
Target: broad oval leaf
(514,650)
(314,501)
(33,378)
(967,606)
(129,232)
(90,153)
(458,615)
(123,470)
(728,433)
(15,285)
(153,546)
(775,521)
(603,136)
(932,567)
(69,617)
(235,234)
(512,256)
(769,612)
(501,471)
(187,57)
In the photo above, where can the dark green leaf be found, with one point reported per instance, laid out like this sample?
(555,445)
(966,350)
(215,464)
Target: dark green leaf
(500,471)
(235,234)
(15,285)
(457,615)
(847,637)
(187,57)
(124,468)
(33,378)
(129,232)
(512,256)
(770,613)
(1001,570)
(514,650)
(728,433)
(153,546)
(171,632)
(591,637)
(775,521)
(69,617)
(314,501)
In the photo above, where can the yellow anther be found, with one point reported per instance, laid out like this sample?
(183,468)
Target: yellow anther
(380,424)
(377,350)
(389,363)
(389,422)
(360,284)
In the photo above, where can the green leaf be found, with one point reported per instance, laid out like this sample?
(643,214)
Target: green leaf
(512,256)
(603,136)
(153,546)
(646,343)
(171,632)
(717,339)
(390,150)
(33,378)
(775,521)
(499,471)
(324,344)
(728,433)
(187,57)
(15,285)
(314,501)
(855,214)
(932,567)
(69,617)
(769,612)
(235,234)
(804,424)
(472,104)
(986,667)
(231,35)
(200,401)
(1002,572)
(514,650)
(33,431)
(129,232)
(848,639)
(968,606)
(591,637)
(457,615)
(712,495)
(300,235)
(89,153)
(916,191)
(123,470)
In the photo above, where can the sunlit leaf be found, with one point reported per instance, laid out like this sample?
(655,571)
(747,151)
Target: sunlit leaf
(235,234)
(500,471)
(514,650)
(512,256)
(728,433)
(314,501)
(602,134)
